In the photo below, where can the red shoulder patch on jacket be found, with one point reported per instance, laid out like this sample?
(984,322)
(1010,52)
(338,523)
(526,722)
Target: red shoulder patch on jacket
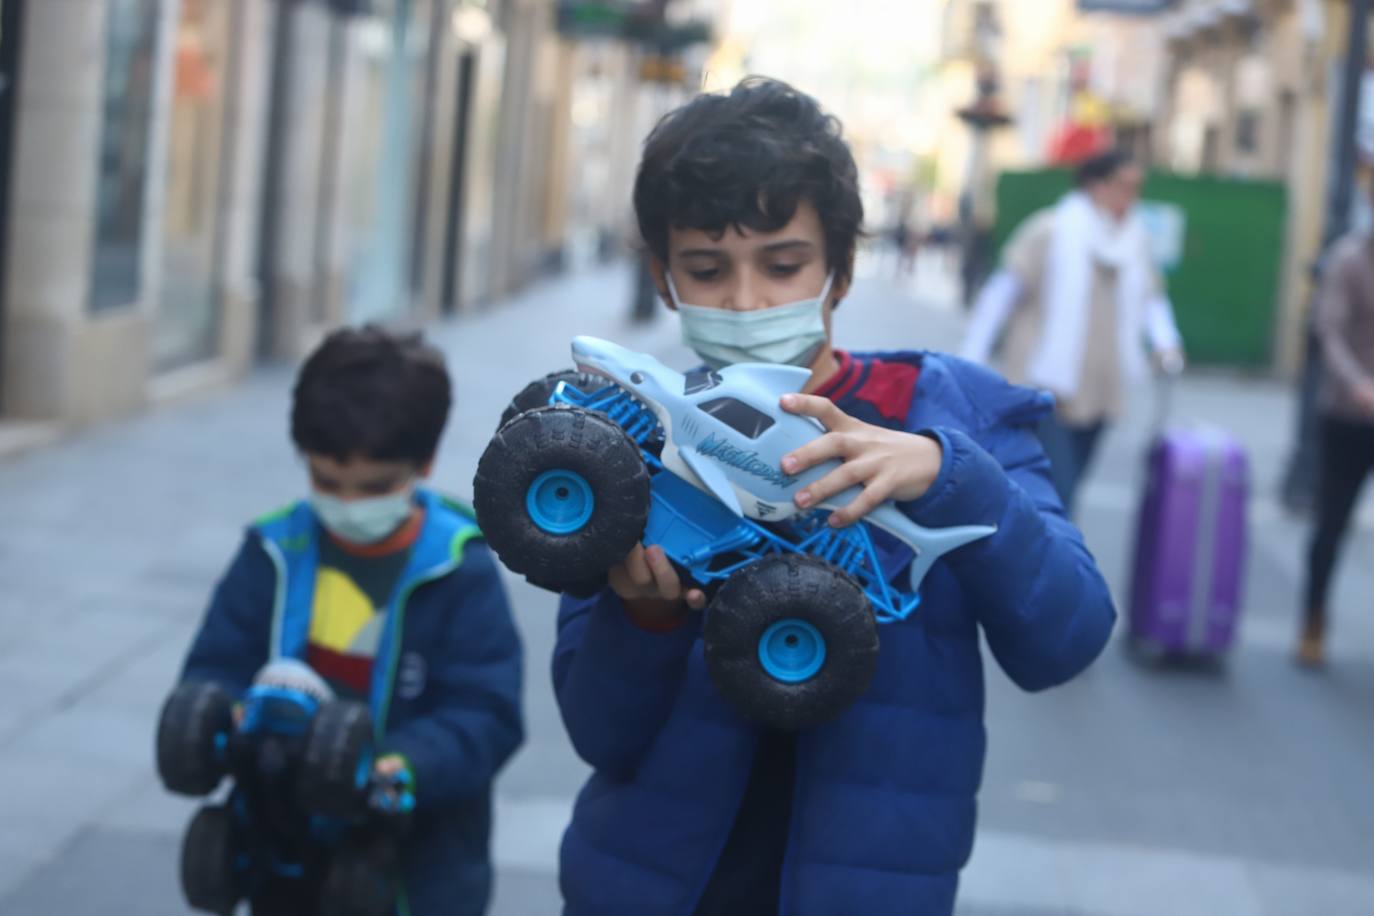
(842,382)
(889,388)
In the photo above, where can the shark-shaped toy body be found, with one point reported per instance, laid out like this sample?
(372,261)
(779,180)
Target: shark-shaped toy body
(726,434)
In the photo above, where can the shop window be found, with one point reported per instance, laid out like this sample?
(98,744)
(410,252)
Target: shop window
(130,63)
(188,306)
(383,118)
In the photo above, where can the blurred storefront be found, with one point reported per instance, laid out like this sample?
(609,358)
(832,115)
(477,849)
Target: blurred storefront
(126,183)
(386,198)
(203,45)
(338,174)
(196,185)
(627,64)
(1251,90)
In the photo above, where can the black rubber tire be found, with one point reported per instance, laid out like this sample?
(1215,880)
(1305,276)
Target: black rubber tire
(335,743)
(537,393)
(208,876)
(778,588)
(587,589)
(187,760)
(571,439)
(360,881)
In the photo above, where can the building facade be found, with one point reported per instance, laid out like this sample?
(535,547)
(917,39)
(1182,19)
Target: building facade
(192,186)
(1250,91)
(1242,89)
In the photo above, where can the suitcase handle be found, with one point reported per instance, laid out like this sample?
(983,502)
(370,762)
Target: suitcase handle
(1166,383)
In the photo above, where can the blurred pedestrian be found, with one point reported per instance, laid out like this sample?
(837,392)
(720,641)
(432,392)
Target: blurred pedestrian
(1078,296)
(644,297)
(1345,328)
(906,239)
(749,203)
(386,590)
(904,245)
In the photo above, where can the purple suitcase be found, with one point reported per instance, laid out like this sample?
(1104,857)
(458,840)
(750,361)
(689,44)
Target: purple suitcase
(1190,544)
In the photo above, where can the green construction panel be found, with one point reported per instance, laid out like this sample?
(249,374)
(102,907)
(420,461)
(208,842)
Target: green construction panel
(1226,285)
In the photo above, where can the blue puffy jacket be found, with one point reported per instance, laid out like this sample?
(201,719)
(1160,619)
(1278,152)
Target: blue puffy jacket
(884,799)
(445,685)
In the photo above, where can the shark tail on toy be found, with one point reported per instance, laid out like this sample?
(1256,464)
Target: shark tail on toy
(929,544)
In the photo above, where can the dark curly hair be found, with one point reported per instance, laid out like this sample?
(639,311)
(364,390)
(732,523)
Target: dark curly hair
(745,159)
(374,394)
(1101,167)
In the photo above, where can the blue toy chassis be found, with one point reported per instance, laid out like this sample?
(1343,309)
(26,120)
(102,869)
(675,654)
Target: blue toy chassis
(710,542)
(587,464)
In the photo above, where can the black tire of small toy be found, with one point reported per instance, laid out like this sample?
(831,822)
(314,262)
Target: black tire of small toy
(798,587)
(187,761)
(326,781)
(537,393)
(208,878)
(359,882)
(573,439)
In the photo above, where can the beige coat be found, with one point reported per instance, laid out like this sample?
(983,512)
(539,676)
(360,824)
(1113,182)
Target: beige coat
(1099,395)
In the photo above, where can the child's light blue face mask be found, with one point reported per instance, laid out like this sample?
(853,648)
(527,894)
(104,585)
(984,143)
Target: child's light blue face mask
(790,334)
(363,521)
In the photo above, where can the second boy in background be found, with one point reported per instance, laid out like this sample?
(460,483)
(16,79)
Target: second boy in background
(386,589)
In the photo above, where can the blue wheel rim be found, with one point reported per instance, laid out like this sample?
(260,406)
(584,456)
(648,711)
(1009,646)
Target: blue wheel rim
(792,651)
(560,502)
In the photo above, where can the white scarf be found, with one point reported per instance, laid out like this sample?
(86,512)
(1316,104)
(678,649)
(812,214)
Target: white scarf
(1083,238)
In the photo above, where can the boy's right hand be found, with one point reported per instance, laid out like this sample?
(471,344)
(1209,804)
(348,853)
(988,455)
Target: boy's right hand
(652,592)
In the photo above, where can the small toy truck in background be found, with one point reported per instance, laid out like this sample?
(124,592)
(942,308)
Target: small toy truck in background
(305,814)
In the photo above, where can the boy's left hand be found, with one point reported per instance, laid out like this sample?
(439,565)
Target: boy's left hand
(392,785)
(887,464)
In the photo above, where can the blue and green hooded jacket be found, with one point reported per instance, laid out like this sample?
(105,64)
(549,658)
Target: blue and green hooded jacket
(445,684)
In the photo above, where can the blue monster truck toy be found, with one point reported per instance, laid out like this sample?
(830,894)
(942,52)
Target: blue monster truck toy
(305,816)
(588,463)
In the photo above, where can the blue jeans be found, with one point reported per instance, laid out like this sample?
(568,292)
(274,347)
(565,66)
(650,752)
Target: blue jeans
(1070,450)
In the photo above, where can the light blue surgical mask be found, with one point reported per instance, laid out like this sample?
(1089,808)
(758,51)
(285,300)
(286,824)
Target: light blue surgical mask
(364,521)
(790,334)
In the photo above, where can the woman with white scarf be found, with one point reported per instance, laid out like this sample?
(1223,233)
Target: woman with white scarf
(1079,297)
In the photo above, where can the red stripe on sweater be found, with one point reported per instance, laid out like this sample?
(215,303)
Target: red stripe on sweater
(352,671)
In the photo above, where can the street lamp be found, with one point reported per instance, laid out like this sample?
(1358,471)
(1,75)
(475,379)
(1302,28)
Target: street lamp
(985,114)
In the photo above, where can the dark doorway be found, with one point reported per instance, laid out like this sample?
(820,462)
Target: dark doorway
(11,31)
(419,235)
(453,223)
(274,176)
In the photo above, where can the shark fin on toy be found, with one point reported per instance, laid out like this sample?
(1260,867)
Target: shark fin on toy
(713,479)
(775,379)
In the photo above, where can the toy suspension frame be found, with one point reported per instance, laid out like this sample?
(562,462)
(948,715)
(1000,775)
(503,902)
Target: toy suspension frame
(849,549)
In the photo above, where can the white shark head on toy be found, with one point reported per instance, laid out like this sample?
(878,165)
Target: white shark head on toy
(651,382)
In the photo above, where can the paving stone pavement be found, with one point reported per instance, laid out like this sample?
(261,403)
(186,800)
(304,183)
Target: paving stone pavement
(1245,790)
